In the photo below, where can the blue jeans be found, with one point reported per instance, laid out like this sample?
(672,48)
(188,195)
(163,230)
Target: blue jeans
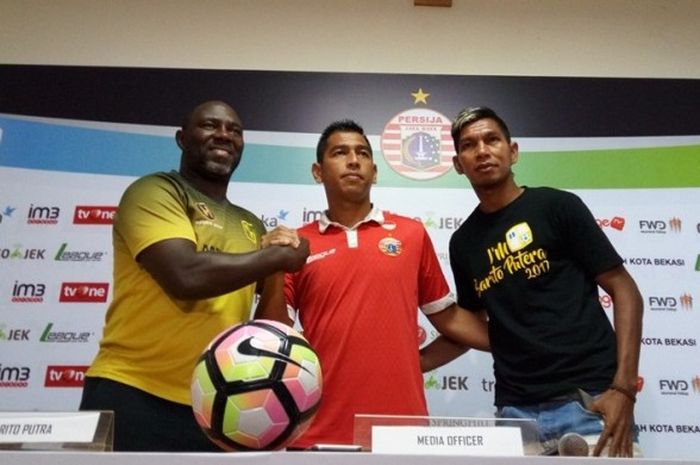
(556,418)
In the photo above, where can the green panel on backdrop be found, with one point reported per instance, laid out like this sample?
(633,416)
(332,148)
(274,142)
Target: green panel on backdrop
(638,168)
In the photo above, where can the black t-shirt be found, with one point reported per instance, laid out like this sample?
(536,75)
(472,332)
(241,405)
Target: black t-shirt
(532,265)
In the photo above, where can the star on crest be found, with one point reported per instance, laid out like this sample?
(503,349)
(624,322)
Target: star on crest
(420,96)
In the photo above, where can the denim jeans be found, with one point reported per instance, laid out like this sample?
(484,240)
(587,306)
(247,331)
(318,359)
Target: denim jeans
(556,418)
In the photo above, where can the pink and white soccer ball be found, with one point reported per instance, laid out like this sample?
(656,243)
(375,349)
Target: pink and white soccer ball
(256,386)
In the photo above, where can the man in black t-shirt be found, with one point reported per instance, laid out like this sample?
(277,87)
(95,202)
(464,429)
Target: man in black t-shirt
(533,259)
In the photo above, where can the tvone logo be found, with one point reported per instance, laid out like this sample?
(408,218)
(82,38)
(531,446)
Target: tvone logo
(91,214)
(84,292)
(65,375)
(659,226)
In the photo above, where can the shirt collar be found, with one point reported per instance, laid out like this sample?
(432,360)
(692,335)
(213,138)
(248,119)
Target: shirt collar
(375,214)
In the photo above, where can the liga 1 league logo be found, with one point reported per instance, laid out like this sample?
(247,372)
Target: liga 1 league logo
(417,143)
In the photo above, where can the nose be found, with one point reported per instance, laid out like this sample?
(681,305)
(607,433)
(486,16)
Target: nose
(352,159)
(481,148)
(222,132)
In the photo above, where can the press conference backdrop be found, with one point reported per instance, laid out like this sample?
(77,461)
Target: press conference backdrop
(73,138)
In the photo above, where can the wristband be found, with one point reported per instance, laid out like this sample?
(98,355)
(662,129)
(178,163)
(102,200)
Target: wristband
(630,394)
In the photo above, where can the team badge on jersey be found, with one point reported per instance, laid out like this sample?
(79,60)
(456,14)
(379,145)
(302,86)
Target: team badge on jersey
(249,231)
(390,246)
(204,210)
(518,237)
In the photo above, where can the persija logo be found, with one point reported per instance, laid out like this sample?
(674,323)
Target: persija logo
(65,375)
(84,292)
(92,214)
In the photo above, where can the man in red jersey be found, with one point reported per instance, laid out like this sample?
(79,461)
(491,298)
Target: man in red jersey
(358,293)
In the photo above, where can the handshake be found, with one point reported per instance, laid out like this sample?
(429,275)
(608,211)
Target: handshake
(293,249)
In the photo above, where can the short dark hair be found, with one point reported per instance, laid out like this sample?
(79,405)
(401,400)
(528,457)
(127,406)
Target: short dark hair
(470,115)
(343,125)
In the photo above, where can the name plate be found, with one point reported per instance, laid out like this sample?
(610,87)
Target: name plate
(47,427)
(424,440)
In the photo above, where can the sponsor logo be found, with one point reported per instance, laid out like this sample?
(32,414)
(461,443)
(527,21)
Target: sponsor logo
(660,226)
(320,255)
(84,292)
(648,261)
(248,347)
(65,255)
(49,335)
(449,223)
(308,216)
(697,263)
(447,383)
(417,144)
(686,301)
(272,221)
(204,210)
(669,303)
(676,387)
(15,334)
(19,253)
(8,211)
(249,231)
(14,377)
(65,375)
(43,215)
(617,223)
(28,293)
(488,385)
(91,214)
(669,341)
(605,301)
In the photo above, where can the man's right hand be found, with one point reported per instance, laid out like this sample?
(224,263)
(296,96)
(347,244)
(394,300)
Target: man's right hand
(296,256)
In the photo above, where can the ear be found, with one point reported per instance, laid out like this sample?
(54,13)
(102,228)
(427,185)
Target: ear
(178,139)
(316,172)
(514,153)
(374,177)
(455,163)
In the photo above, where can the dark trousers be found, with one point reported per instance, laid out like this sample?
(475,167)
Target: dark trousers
(144,422)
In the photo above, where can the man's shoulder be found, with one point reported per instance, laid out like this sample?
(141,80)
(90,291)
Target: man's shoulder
(402,219)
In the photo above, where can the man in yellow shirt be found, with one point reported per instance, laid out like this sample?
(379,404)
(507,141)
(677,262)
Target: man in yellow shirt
(187,263)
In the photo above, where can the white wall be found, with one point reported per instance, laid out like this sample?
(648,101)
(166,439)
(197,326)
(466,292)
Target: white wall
(621,38)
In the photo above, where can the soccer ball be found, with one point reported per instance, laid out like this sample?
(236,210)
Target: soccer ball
(256,386)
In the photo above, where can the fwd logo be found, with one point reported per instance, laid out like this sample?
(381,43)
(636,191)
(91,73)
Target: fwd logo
(84,292)
(89,214)
(663,303)
(65,375)
(659,226)
(674,387)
